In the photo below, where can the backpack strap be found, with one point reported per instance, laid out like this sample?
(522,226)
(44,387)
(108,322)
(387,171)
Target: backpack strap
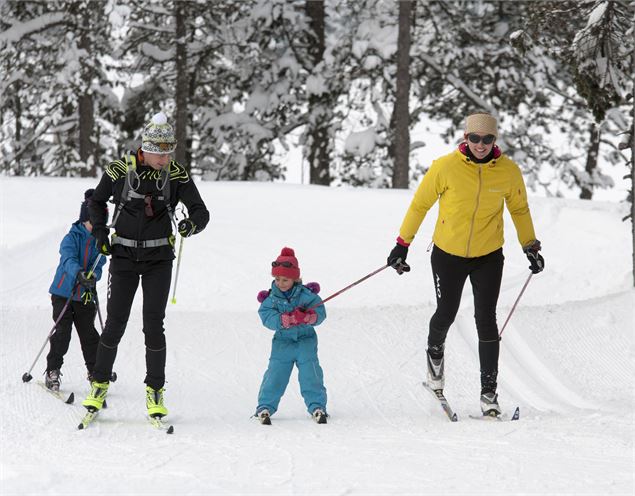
(130,185)
(165,189)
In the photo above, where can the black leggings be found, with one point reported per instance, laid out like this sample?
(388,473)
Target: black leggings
(83,316)
(449,273)
(123,280)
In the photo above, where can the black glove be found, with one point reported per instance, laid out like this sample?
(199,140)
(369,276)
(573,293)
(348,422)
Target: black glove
(537,263)
(187,228)
(397,259)
(102,241)
(88,283)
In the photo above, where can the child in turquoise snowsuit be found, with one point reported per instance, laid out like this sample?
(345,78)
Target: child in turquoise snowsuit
(289,310)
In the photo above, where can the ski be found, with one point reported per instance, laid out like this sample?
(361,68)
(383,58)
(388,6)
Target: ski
(58,394)
(438,394)
(498,418)
(158,423)
(88,418)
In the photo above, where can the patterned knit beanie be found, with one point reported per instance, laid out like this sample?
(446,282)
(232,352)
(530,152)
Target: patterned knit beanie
(482,124)
(158,136)
(286,265)
(83,210)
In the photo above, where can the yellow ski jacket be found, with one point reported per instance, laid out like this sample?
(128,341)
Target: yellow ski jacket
(471,197)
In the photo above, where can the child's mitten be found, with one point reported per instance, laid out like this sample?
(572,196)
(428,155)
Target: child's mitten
(310,317)
(304,316)
(288,319)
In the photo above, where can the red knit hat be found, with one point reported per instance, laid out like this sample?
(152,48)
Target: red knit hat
(286,265)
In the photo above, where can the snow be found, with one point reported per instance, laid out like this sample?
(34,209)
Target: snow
(362,142)
(597,14)
(316,84)
(156,53)
(20,30)
(566,358)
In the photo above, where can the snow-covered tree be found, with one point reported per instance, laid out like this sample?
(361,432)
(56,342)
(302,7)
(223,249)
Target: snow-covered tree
(56,83)
(589,41)
(463,62)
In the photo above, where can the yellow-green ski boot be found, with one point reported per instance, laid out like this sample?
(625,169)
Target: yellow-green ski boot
(95,399)
(154,402)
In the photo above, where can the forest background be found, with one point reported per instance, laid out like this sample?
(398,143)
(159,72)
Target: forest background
(344,83)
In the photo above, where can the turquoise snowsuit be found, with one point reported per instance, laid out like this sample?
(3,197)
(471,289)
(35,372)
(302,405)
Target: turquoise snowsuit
(296,345)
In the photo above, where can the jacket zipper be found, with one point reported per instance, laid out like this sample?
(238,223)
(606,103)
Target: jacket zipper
(478,199)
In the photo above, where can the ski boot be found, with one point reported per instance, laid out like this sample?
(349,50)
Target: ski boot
(113,377)
(264,416)
(52,379)
(489,404)
(436,377)
(97,396)
(154,402)
(319,416)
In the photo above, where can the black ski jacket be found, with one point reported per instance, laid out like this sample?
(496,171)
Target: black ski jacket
(134,222)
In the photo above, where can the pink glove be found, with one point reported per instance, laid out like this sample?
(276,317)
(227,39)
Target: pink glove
(311,317)
(304,316)
(288,320)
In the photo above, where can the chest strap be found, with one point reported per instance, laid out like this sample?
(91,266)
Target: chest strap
(144,243)
(139,196)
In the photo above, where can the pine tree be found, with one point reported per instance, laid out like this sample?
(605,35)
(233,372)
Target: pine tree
(57,81)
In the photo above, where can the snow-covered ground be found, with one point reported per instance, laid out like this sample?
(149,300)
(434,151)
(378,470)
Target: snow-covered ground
(566,360)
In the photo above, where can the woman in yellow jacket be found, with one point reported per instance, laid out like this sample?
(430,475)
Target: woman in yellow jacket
(472,184)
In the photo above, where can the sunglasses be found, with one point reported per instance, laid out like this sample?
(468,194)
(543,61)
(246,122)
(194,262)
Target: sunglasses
(288,265)
(148,206)
(488,139)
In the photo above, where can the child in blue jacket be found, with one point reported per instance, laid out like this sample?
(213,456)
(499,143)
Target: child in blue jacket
(291,310)
(77,255)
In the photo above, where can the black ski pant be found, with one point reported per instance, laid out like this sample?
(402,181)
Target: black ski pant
(83,316)
(450,273)
(123,280)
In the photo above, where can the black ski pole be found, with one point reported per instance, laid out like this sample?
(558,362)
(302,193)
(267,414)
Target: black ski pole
(26,377)
(101,321)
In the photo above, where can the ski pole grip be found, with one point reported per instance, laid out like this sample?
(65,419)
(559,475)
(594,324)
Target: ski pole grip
(94,266)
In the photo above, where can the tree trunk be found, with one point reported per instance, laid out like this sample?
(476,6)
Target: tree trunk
(85,107)
(633,201)
(591,161)
(633,180)
(182,87)
(401,112)
(18,129)
(318,141)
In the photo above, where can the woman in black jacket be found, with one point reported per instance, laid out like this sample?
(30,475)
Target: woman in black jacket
(145,186)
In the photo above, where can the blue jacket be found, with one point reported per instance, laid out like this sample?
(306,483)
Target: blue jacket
(77,253)
(277,303)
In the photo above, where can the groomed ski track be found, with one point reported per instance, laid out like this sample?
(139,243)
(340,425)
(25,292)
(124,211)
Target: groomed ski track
(566,360)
